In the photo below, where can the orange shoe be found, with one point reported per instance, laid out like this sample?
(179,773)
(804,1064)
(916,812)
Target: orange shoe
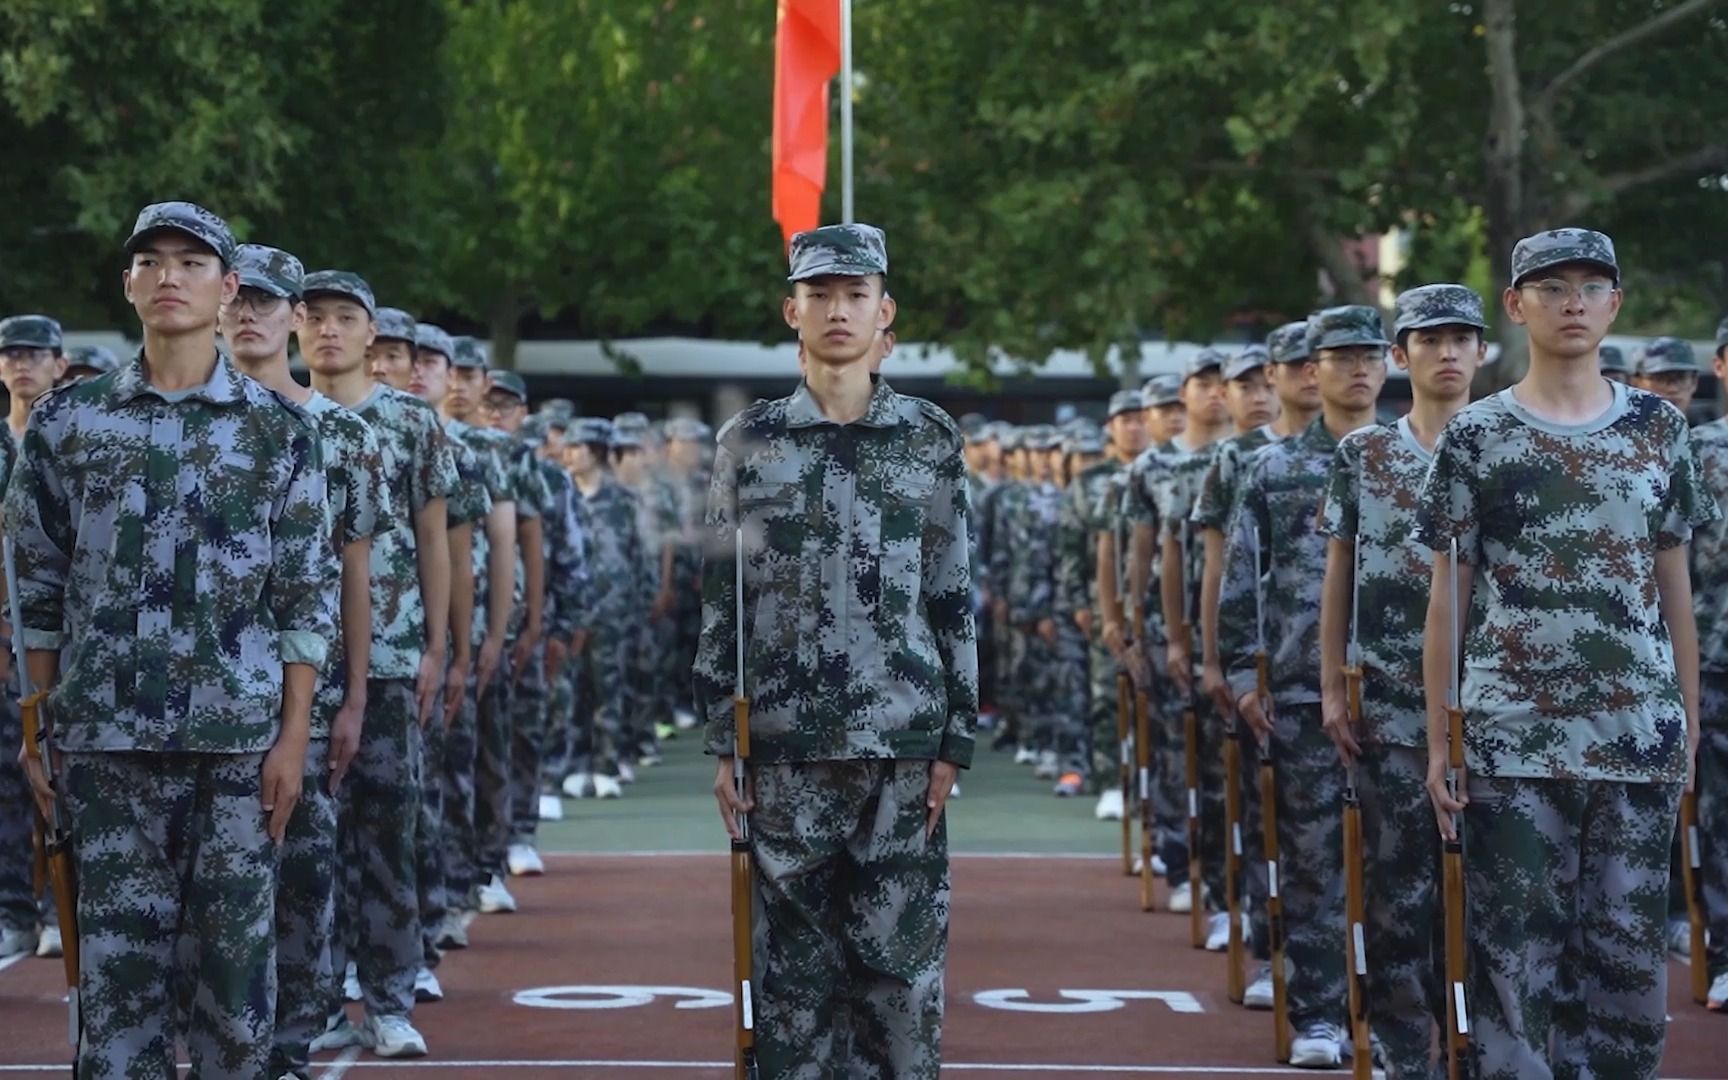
(1069,785)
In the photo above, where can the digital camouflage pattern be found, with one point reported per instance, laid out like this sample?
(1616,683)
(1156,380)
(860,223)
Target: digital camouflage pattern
(856,250)
(471,501)
(98,359)
(1665,354)
(1374,491)
(1341,327)
(1709,555)
(882,952)
(858,584)
(1568,671)
(343,283)
(1588,862)
(189,218)
(1139,506)
(1281,493)
(1218,488)
(1437,305)
(1077,528)
(1613,360)
(610,518)
(30,332)
(1250,359)
(1713,816)
(1289,343)
(434,339)
(147,823)
(394,324)
(1125,401)
(418,468)
(269,269)
(305,916)
(1040,680)
(489,473)
(176,548)
(354,475)
(1557,247)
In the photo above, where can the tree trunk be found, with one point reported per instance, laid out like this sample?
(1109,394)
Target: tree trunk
(1503,160)
(502,321)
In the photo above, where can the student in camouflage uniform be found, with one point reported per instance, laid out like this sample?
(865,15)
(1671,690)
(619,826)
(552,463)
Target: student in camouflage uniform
(1027,571)
(863,690)
(1077,594)
(1614,365)
(378,905)
(31,361)
(1710,599)
(87,361)
(657,527)
(1280,495)
(1371,502)
(492,570)
(609,635)
(985,473)
(1572,501)
(1668,368)
(686,443)
(182,752)
(257,324)
(1000,505)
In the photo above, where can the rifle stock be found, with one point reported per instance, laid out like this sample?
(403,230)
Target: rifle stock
(1355,894)
(1691,877)
(743,898)
(1457,1034)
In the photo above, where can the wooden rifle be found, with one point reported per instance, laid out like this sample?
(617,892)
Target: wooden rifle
(1692,881)
(1457,1034)
(1355,887)
(1269,815)
(743,857)
(1191,755)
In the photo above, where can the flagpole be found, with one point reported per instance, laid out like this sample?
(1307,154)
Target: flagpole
(846,111)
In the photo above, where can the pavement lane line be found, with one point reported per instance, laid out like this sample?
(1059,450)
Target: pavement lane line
(15,958)
(1069,856)
(1001,1067)
(339,1068)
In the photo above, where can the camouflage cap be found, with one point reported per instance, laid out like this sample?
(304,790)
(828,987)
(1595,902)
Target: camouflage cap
(1341,327)
(971,424)
(1125,401)
(344,283)
(434,339)
(31,332)
(1665,354)
(270,270)
(626,438)
(1613,359)
(1722,332)
(189,218)
(687,429)
(1083,442)
(1207,359)
(843,250)
(588,429)
(469,353)
(534,430)
(1556,247)
(1012,437)
(1437,305)
(1043,437)
(98,358)
(561,410)
(1253,358)
(1163,390)
(394,324)
(509,382)
(631,421)
(1289,343)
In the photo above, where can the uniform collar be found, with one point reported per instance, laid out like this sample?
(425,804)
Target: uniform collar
(224,387)
(884,411)
(1317,436)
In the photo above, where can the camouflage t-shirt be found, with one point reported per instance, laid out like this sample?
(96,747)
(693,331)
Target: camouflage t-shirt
(1031,588)
(489,473)
(1710,556)
(1077,528)
(1177,491)
(472,500)
(1377,475)
(609,518)
(1280,496)
(1219,489)
(565,543)
(1570,673)
(418,468)
(354,473)
(174,547)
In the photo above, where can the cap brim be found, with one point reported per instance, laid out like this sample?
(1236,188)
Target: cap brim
(1609,268)
(343,294)
(836,270)
(138,238)
(1429,324)
(37,343)
(1345,341)
(263,284)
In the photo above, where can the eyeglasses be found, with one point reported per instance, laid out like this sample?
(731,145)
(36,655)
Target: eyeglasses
(1340,358)
(1553,292)
(261,302)
(501,404)
(19,356)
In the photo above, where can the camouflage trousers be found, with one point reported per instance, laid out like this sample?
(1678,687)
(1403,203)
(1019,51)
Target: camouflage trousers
(1404,931)
(1254,882)
(492,778)
(165,846)
(457,781)
(431,861)
(1567,898)
(1040,678)
(657,676)
(1170,741)
(530,707)
(1713,842)
(603,700)
(1005,649)
(377,900)
(19,909)
(561,705)
(1073,729)
(305,918)
(1310,854)
(1102,748)
(853,938)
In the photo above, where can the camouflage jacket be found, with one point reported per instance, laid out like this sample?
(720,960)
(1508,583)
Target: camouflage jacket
(418,468)
(175,549)
(1176,490)
(991,519)
(657,525)
(857,584)
(525,489)
(354,474)
(1077,529)
(565,542)
(1372,492)
(1568,669)
(1140,507)
(1709,555)
(608,518)
(1219,488)
(1031,571)
(1280,495)
(488,474)
(472,500)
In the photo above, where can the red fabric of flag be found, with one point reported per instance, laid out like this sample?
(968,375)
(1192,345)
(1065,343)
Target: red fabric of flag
(806,57)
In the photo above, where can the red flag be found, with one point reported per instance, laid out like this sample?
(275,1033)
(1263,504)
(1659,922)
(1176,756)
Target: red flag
(806,57)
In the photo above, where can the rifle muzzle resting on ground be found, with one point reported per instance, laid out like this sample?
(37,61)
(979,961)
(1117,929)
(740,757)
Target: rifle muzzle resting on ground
(1355,887)
(1269,815)
(1143,765)
(52,836)
(1235,956)
(1125,760)
(743,891)
(1452,851)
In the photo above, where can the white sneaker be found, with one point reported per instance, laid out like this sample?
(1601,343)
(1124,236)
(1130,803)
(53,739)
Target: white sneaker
(351,982)
(339,1034)
(1318,1046)
(523,860)
(1181,899)
(626,773)
(453,932)
(1110,806)
(683,719)
(954,792)
(1259,992)
(13,942)
(393,1037)
(608,787)
(1679,939)
(1047,766)
(426,986)
(551,808)
(1025,756)
(1717,999)
(49,945)
(1158,867)
(495,898)
(1218,932)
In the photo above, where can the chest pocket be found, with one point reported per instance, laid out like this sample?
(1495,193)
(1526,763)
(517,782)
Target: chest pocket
(771,511)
